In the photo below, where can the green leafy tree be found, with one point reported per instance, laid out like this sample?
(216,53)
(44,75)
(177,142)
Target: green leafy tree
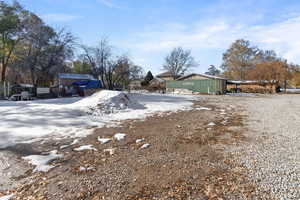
(10,33)
(213,71)
(149,77)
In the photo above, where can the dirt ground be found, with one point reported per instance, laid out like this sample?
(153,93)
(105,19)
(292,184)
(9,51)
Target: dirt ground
(187,159)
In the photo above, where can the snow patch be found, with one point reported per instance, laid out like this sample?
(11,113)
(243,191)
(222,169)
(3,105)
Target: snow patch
(85,147)
(145,146)
(41,161)
(211,124)
(7,197)
(76,141)
(24,121)
(140,140)
(203,108)
(104,140)
(110,151)
(120,136)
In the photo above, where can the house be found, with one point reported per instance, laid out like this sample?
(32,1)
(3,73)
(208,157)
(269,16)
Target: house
(197,83)
(167,76)
(135,84)
(252,86)
(158,85)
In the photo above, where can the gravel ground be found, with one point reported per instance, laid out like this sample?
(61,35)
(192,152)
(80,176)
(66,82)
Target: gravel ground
(252,152)
(185,160)
(272,156)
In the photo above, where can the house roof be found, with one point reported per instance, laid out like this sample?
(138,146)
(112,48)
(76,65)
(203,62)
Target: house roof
(157,79)
(76,76)
(250,81)
(164,74)
(203,75)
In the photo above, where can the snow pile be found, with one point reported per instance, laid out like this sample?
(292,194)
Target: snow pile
(107,102)
(41,161)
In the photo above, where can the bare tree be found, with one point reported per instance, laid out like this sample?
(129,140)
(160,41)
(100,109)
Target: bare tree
(112,70)
(178,62)
(239,59)
(99,58)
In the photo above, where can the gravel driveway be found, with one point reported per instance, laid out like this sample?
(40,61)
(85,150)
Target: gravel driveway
(252,152)
(273,154)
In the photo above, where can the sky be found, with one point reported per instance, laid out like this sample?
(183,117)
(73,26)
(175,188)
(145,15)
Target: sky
(147,30)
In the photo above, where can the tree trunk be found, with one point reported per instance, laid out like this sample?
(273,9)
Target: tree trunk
(3,73)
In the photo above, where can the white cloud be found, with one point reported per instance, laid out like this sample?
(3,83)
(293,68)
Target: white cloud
(108,3)
(217,35)
(60,17)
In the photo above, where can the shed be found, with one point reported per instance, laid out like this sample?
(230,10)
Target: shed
(65,84)
(198,83)
(252,86)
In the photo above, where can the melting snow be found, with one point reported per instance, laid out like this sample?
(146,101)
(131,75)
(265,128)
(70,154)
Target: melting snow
(144,146)
(119,136)
(77,117)
(7,197)
(41,161)
(203,108)
(110,151)
(64,146)
(140,140)
(211,124)
(85,147)
(75,142)
(104,140)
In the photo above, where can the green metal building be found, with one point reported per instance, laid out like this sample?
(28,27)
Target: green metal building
(198,83)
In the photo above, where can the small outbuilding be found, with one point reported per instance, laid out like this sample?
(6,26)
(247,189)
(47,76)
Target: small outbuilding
(197,83)
(252,86)
(68,84)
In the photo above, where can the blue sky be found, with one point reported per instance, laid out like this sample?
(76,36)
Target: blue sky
(148,29)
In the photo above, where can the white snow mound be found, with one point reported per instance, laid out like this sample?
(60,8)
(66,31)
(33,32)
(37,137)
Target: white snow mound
(41,161)
(107,102)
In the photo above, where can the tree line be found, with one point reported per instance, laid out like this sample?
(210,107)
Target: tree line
(241,61)
(30,50)
(33,52)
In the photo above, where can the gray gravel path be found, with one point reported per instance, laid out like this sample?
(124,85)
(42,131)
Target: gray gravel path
(273,153)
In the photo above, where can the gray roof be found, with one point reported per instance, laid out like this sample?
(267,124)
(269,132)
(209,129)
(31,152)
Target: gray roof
(203,75)
(76,76)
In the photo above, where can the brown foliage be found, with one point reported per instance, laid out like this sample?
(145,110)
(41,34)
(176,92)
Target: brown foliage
(272,72)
